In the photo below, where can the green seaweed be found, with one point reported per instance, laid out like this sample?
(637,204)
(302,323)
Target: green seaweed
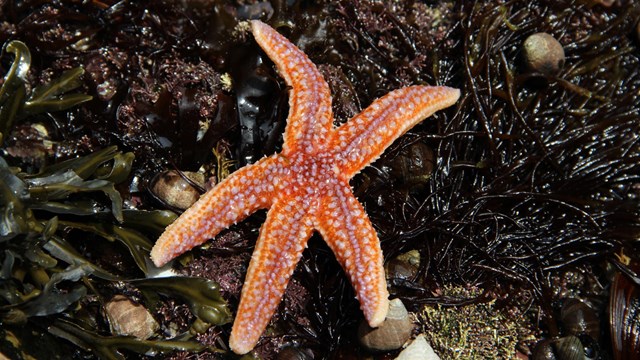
(107,347)
(16,104)
(38,208)
(202,296)
(138,245)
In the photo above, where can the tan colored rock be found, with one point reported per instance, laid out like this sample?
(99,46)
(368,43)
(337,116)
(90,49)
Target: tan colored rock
(543,53)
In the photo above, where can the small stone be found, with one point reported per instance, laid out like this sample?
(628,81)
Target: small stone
(130,319)
(543,53)
(392,334)
(171,188)
(420,349)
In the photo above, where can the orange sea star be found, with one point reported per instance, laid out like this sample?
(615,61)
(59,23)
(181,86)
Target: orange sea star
(306,188)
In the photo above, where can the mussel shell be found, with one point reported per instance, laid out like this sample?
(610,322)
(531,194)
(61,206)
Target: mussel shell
(591,347)
(624,317)
(579,318)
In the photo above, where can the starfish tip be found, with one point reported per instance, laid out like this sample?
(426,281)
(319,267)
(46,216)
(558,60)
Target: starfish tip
(158,256)
(258,27)
(379,315)
(240,346)
(451,94)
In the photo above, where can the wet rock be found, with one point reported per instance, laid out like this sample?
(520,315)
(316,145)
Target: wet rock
(130,319)
(419,348)
(403,267)
(392,334)
(175,191)
(543,53)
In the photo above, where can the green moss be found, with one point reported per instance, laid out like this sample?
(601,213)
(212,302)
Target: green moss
(480,330)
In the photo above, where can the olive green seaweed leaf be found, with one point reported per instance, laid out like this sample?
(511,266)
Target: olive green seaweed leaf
(138,245)
(53,96)
(17,74)
(118,171)
(60,186)
(7,290)
(50,300)
(60,249)
(82,207)
(202,296)
(84,166)
(15,218)
(151,222)
(13,91)
(53,301)
(107,347)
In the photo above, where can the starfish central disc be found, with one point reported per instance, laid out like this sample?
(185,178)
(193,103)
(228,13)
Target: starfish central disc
(306,189)
(311,176)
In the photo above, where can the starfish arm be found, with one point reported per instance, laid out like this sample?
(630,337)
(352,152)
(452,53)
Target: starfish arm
(310,118)
(362,139)
(239,195)
(282,239)
(347,230)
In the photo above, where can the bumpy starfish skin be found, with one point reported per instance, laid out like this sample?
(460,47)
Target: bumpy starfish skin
(306,188)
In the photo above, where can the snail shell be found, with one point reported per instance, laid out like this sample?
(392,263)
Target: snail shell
(173,190)
(392,334)
(127,318)
(565,348)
